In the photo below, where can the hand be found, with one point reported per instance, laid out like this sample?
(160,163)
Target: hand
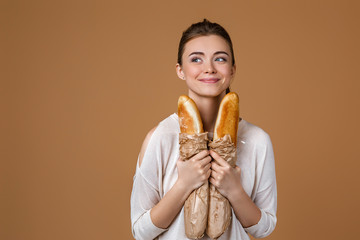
(226,179)
(196,171)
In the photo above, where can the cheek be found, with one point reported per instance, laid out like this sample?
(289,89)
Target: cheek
(226,71)
(191,71)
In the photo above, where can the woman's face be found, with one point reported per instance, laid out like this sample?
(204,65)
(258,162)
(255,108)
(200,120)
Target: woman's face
(206,66)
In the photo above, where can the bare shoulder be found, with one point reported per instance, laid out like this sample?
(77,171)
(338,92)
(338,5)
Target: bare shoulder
(144,145)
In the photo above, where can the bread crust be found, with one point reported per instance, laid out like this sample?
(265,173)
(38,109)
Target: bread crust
(189,116)
(227,120)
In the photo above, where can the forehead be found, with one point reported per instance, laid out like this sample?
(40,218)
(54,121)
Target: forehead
(207,44)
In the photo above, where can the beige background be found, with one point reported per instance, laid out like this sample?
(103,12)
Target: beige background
(83,81)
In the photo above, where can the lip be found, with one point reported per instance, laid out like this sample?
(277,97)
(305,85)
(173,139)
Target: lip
(209,80)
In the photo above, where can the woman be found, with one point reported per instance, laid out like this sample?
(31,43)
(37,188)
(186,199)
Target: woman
(163,182)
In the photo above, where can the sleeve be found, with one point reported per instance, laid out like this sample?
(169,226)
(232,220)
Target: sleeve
(146,193)
(266,194)
(143,197)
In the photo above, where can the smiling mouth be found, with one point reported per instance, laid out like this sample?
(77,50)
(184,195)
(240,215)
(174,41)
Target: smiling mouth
(209,80)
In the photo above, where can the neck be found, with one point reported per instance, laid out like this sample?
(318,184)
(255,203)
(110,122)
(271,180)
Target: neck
(208,108)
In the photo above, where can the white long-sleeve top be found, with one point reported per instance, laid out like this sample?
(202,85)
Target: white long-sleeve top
(158,173)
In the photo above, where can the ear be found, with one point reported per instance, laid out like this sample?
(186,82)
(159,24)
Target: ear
(180,72)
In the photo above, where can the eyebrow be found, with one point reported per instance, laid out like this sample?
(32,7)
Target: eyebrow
(201,53)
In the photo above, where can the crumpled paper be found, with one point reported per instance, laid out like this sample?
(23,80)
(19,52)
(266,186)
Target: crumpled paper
(219,207)
(196,205)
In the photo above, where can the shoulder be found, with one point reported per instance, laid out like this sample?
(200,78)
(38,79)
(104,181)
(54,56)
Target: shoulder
(145,144)
(168,126)
(251,133)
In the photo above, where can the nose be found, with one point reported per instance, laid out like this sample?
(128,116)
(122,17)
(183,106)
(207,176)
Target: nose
(209,67)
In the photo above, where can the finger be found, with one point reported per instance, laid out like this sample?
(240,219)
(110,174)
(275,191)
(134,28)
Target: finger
(200,155)
(213,181)
(205,161)
(208,174)
(218,159)
(213,174)
(207,168)
(215,166)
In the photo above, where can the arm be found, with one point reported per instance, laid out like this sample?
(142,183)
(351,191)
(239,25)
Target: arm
(151,214)
(191,175)
(227,180)
(265,195)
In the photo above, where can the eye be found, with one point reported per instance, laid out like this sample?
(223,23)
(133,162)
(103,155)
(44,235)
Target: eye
(195,59)
(220,59)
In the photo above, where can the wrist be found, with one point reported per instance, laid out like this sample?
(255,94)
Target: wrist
(182,187)
(237,195)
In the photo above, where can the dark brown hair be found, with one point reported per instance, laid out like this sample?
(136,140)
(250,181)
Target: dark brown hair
(203,28)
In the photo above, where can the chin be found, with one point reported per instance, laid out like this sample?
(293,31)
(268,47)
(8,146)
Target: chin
(210,93)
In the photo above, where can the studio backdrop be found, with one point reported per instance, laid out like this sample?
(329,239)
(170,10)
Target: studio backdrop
(82,82)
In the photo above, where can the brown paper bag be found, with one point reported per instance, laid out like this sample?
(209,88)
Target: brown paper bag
(219,217)
(196,205)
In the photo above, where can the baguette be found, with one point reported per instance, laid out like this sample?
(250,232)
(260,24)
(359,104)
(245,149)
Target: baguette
(227,120)
(192,140)
(224,143)
(189,116)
